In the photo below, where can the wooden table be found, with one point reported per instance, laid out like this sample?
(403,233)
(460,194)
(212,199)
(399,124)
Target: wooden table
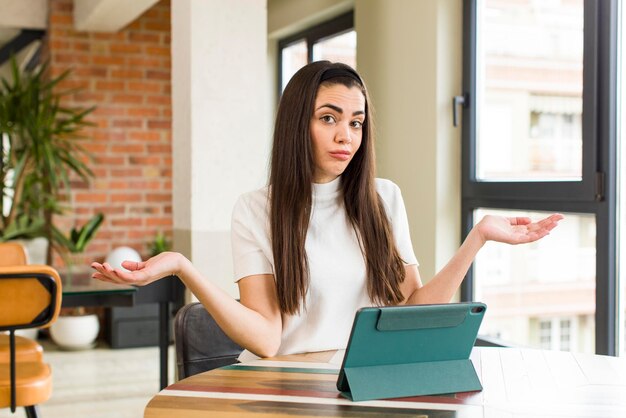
(517,383)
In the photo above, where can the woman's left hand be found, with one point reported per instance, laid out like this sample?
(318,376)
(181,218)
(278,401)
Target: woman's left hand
(516,230)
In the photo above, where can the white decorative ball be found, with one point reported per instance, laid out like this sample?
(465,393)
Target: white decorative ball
(120,254)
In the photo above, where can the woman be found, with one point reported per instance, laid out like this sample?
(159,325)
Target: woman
(325,237)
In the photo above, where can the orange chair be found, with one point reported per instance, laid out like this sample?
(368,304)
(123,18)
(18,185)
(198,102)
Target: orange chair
(30,297)
(14,254)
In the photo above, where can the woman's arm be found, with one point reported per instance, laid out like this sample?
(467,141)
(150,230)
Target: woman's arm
(441,288)
(254,324)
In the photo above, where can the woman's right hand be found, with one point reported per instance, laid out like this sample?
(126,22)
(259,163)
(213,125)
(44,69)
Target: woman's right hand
(143,272)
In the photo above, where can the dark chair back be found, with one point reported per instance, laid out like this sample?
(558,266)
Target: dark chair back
(200,343)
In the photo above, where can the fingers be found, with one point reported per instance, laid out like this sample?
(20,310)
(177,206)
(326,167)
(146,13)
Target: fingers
(550,222)
(107,273)
(133,265)
(520,220)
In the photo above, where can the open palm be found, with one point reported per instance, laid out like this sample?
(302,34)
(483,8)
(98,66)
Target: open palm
(517,230)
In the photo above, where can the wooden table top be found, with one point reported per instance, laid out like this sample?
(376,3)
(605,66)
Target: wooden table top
(517,383)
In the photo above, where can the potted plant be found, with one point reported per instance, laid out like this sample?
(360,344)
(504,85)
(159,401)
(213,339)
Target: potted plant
(75,243)
(159,244)
(76,328)
(40,151)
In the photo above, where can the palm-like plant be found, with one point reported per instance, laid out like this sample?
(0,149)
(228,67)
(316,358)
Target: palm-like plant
(40,151)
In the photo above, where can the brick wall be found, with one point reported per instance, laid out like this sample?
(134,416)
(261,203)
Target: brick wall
(127,76)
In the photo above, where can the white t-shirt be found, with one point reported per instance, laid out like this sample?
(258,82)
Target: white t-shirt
(337,285)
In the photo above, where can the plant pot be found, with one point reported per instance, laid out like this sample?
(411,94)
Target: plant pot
(36,248)
(75,332)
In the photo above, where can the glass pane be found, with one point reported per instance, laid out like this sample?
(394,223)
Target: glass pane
(339,48)
(541,294)
(529,90)
(294,57)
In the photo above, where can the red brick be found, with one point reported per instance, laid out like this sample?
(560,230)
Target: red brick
(159,100)
(72,58)
(144,136)
(158,75)
(61,20)
(153,38)
(152,160)
(144,112)
(125,49)
(158,50)
(129,149)
(127,74)
(128,98)
(160,26)
(72,83)
(159,124)
(110,85)
(90,197)
(144,86)
(126,197)
(110,210)
(159,222)
(143,209)
(158,197)
(109,160)
(159,148)
(88,97)
(81,46)
(59,44)
(127,222)
(90,72)
(126,172)
(112,38)
(127,123)
(108,60)
(145,62)
(95,147)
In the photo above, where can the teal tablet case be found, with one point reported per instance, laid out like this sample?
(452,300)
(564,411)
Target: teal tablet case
(411,350)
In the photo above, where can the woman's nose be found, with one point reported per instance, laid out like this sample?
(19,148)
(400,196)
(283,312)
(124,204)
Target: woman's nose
(343,134)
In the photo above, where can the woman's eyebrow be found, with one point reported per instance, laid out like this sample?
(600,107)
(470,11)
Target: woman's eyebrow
(339,110)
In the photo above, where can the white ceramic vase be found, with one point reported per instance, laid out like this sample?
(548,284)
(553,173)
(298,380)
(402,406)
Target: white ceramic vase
(75,332)
(36,248)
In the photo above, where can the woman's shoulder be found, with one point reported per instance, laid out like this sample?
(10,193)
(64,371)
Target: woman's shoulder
(255,201)
(387,189)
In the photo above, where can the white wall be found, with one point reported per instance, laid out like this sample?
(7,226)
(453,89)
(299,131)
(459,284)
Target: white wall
(221,129)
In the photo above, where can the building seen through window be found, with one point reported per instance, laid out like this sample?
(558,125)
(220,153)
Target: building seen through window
(334,41)
(529,129)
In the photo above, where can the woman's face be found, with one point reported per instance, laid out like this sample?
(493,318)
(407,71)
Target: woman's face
(336,129)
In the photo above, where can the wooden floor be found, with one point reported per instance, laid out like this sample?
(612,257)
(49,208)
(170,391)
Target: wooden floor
(100,382)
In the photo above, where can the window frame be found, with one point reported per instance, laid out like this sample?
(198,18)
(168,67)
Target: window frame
(330,28)
(594,194)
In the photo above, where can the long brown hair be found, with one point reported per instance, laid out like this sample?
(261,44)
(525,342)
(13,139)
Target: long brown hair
(291,178)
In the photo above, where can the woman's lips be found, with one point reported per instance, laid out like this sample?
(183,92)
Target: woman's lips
(340,155)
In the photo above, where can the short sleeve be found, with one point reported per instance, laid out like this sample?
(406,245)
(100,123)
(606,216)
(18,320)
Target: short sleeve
(392,198)
(249,240)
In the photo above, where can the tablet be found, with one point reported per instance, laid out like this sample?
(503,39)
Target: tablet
(411,350)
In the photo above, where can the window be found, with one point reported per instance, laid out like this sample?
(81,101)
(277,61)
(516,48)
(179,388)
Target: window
(334,41)
(557,334)
(539,137)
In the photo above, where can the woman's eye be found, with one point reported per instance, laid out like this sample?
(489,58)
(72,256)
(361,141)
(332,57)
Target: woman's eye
(357,124)
(327,119)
